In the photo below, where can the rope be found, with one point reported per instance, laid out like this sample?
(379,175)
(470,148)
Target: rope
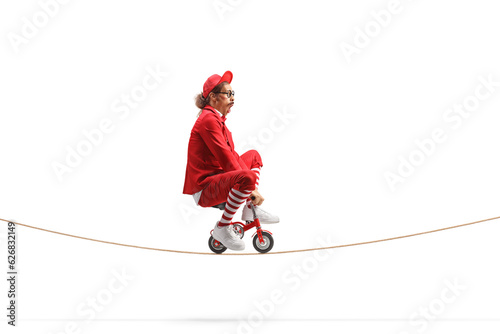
(281,252)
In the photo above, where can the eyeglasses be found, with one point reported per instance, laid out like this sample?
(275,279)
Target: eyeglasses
(228,93)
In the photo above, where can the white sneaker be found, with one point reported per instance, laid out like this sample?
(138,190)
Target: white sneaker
(227,236)
(264,217)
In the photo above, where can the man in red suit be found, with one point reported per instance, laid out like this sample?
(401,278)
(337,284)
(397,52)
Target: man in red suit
(215,173)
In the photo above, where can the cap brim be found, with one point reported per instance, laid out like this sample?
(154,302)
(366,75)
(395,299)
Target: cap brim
(227,76)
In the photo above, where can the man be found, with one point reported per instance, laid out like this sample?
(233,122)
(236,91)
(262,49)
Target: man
(215,173)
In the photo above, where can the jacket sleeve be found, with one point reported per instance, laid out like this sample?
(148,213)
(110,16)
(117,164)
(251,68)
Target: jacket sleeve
(211,133)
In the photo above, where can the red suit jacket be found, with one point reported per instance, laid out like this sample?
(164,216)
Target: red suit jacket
(210,151)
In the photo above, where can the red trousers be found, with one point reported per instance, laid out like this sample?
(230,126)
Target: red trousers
(219,185)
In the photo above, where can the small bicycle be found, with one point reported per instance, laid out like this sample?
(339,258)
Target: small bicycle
(263,240)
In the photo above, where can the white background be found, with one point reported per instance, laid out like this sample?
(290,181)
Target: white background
(323,170)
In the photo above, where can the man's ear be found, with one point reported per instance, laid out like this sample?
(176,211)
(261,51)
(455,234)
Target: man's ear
(211,95)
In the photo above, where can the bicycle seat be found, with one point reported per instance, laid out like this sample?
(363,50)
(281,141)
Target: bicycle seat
(220,206)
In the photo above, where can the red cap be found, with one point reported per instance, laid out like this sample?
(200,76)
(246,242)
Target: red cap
(214,80)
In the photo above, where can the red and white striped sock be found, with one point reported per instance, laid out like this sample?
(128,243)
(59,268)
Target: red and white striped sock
(257,172)
(233,203)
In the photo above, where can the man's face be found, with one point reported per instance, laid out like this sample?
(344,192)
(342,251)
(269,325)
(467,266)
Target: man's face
(223,103)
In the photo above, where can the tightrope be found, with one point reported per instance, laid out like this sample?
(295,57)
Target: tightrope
(270,253)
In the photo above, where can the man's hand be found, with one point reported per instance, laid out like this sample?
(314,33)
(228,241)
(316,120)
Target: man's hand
(257,198)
